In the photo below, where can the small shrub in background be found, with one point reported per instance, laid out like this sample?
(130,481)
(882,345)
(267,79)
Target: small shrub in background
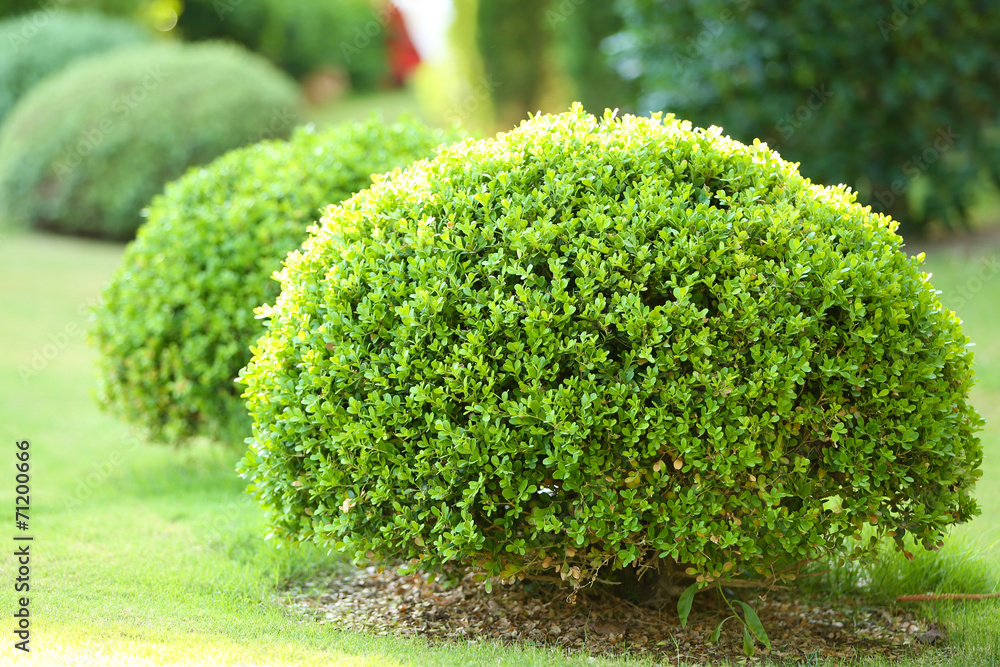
(898,101)
(36,45)
(87,149)
(176,323)
(585,346)
(299,36)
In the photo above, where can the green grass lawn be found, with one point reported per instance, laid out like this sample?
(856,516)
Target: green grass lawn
(148,555)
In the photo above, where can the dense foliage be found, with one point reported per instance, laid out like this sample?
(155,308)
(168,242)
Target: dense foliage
(39,44)
(176,322)
(298,35)
(87,149)
(899,101)
(589,345)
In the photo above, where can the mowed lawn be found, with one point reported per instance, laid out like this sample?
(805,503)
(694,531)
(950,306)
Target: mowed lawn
(144,554)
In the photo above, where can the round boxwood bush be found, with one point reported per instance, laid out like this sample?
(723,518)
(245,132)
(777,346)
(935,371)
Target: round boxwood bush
(87,149)
(176,322)
(44,42)
(585,345)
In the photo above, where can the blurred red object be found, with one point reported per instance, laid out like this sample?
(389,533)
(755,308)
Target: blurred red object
(403,56)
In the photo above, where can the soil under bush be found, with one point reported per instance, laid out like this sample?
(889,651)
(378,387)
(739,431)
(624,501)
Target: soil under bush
(800,627)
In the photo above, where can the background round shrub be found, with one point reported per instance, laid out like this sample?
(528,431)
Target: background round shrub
(41,43)
(177,321)
(87,149)
(588,345)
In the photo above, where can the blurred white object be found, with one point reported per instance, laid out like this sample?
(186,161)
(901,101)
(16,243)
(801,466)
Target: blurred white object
(427,22)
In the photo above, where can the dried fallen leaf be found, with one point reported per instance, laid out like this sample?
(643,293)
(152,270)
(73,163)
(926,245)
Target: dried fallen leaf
(387,603)
(932,636)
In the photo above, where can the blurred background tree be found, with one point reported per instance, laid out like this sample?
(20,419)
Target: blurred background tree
(14,7)
(585,34)
(301,37)
(523,57)
(514,41)
(898,101)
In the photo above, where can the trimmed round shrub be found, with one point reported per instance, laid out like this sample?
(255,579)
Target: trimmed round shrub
(38,44)
(585,345)
(87,149)
(176,322)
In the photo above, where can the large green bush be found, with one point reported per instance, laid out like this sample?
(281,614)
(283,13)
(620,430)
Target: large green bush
(39,44)
(897,100)
(298,35)
(88,148)
(588,345)
(176,322)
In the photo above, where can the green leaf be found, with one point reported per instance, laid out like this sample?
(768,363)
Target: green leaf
(684,603)
(718,630)
(752,621)
(748,649)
